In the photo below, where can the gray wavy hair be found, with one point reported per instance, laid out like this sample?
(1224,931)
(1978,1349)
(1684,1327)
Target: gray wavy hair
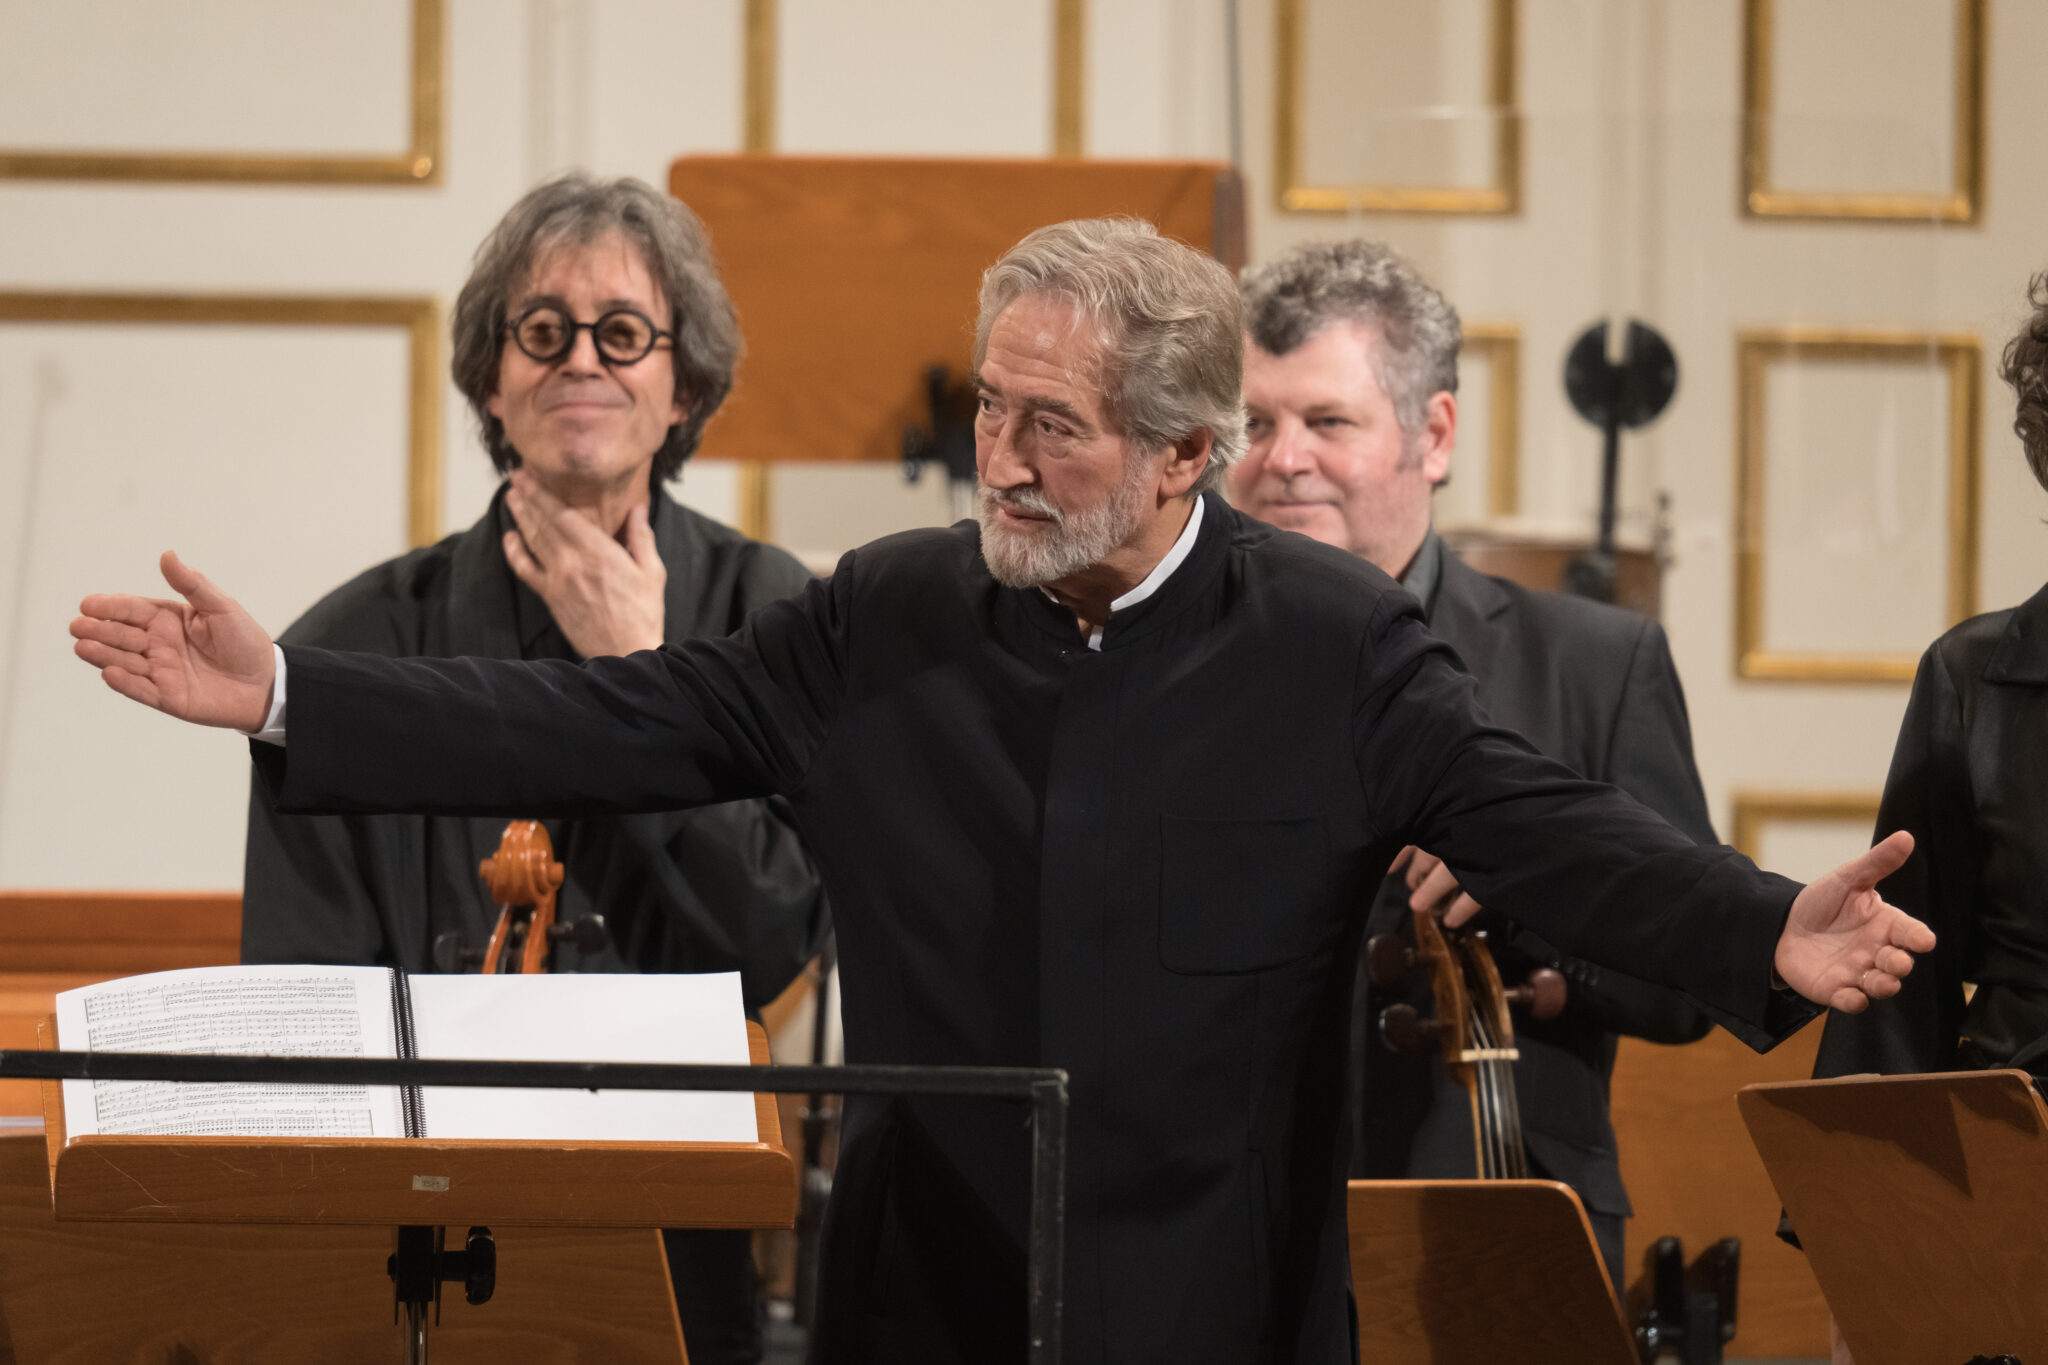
(1172,358)
(578,209)
(1290,298)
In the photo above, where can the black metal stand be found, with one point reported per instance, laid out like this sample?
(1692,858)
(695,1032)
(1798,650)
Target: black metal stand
(949,442)
(1694,1312)
(422,1264)
(1043,1089)
(818,1121)
(1613,395)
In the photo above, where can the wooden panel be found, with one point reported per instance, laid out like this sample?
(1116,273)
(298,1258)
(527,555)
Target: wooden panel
(1479,1272)
(347,1180)
(853,276)
(1922,1200)
(1693,1174)
(115,933)
(209,1294)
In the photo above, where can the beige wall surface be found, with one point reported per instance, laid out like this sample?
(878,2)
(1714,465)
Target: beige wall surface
(275,462)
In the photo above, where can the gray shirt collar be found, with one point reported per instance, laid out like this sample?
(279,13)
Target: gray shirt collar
(1425,573)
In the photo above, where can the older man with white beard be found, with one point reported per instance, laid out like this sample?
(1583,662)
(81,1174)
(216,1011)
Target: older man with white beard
(1104,784)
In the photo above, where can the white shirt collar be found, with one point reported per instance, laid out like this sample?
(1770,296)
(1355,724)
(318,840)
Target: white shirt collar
(1161,571)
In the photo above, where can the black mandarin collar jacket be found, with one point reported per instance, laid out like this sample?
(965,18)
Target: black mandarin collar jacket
(1147,865)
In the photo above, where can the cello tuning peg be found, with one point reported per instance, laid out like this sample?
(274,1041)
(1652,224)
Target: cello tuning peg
(1388,960)
(588,932)
(1403,1029)
(1543,994)
(452,956)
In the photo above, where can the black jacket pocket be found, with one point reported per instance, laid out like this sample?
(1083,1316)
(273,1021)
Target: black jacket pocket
(1242,895)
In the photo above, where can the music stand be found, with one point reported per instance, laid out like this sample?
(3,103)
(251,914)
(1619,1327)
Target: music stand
(1477,1272)
(1922,1202)
(192,1232)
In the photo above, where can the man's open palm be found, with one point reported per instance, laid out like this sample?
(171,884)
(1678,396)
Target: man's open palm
(1843,946)
(204,659)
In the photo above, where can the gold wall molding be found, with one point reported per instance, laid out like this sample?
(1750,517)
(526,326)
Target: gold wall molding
(1961,359)
(419,164)
(1959,203)
(1069,77)
(761,62)
(1755,809)
(1503,196)
(757,97)
(754,510)
(1501,345)
(754,497)
(420,317)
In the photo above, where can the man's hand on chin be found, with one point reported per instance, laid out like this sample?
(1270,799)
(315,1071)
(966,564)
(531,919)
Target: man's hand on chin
(608,597)
(204,659)
(1843,946)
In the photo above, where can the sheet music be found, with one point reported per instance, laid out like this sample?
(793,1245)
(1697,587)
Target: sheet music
(576,1017)
(274,1011)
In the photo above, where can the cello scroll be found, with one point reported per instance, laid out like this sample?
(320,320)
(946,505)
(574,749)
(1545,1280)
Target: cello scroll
(523,877)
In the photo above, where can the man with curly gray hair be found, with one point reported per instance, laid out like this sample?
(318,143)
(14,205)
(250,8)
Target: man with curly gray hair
(1351,384)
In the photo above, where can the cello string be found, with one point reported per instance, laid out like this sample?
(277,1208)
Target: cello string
(1491,1153)
(1483,1133)
(1518,1156)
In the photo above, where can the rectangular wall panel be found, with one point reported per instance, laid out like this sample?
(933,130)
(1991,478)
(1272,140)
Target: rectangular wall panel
(1855,485)
(274,459)
(906,76)
(1862,95)
(1401,108)
(1396,94)
(1864,108)
(224,76)
(1856,516)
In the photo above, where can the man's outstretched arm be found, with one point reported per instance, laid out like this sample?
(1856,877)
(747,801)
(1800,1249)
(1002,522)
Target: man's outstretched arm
(1602,878)
(204,659)
(685,725)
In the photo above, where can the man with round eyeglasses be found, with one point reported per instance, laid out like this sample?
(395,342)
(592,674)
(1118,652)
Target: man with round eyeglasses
(593,340)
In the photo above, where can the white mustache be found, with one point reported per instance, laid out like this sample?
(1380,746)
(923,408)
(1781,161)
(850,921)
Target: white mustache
(1024,500)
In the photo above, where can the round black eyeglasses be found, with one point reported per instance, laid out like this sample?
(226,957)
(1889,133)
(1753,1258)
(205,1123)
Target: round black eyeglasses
(623,336)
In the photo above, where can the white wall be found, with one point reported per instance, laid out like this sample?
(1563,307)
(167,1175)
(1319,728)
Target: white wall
(273,458)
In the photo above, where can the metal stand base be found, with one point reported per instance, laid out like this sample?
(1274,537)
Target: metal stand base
(419,1267)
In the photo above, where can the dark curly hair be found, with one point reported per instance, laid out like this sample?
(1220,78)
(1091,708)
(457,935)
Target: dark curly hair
(575,210)
(1296,294)
(2025,367)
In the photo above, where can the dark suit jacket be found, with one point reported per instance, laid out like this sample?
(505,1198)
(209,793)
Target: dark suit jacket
(726,888)
(1966,779)
(1592,686)
(1144,865)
